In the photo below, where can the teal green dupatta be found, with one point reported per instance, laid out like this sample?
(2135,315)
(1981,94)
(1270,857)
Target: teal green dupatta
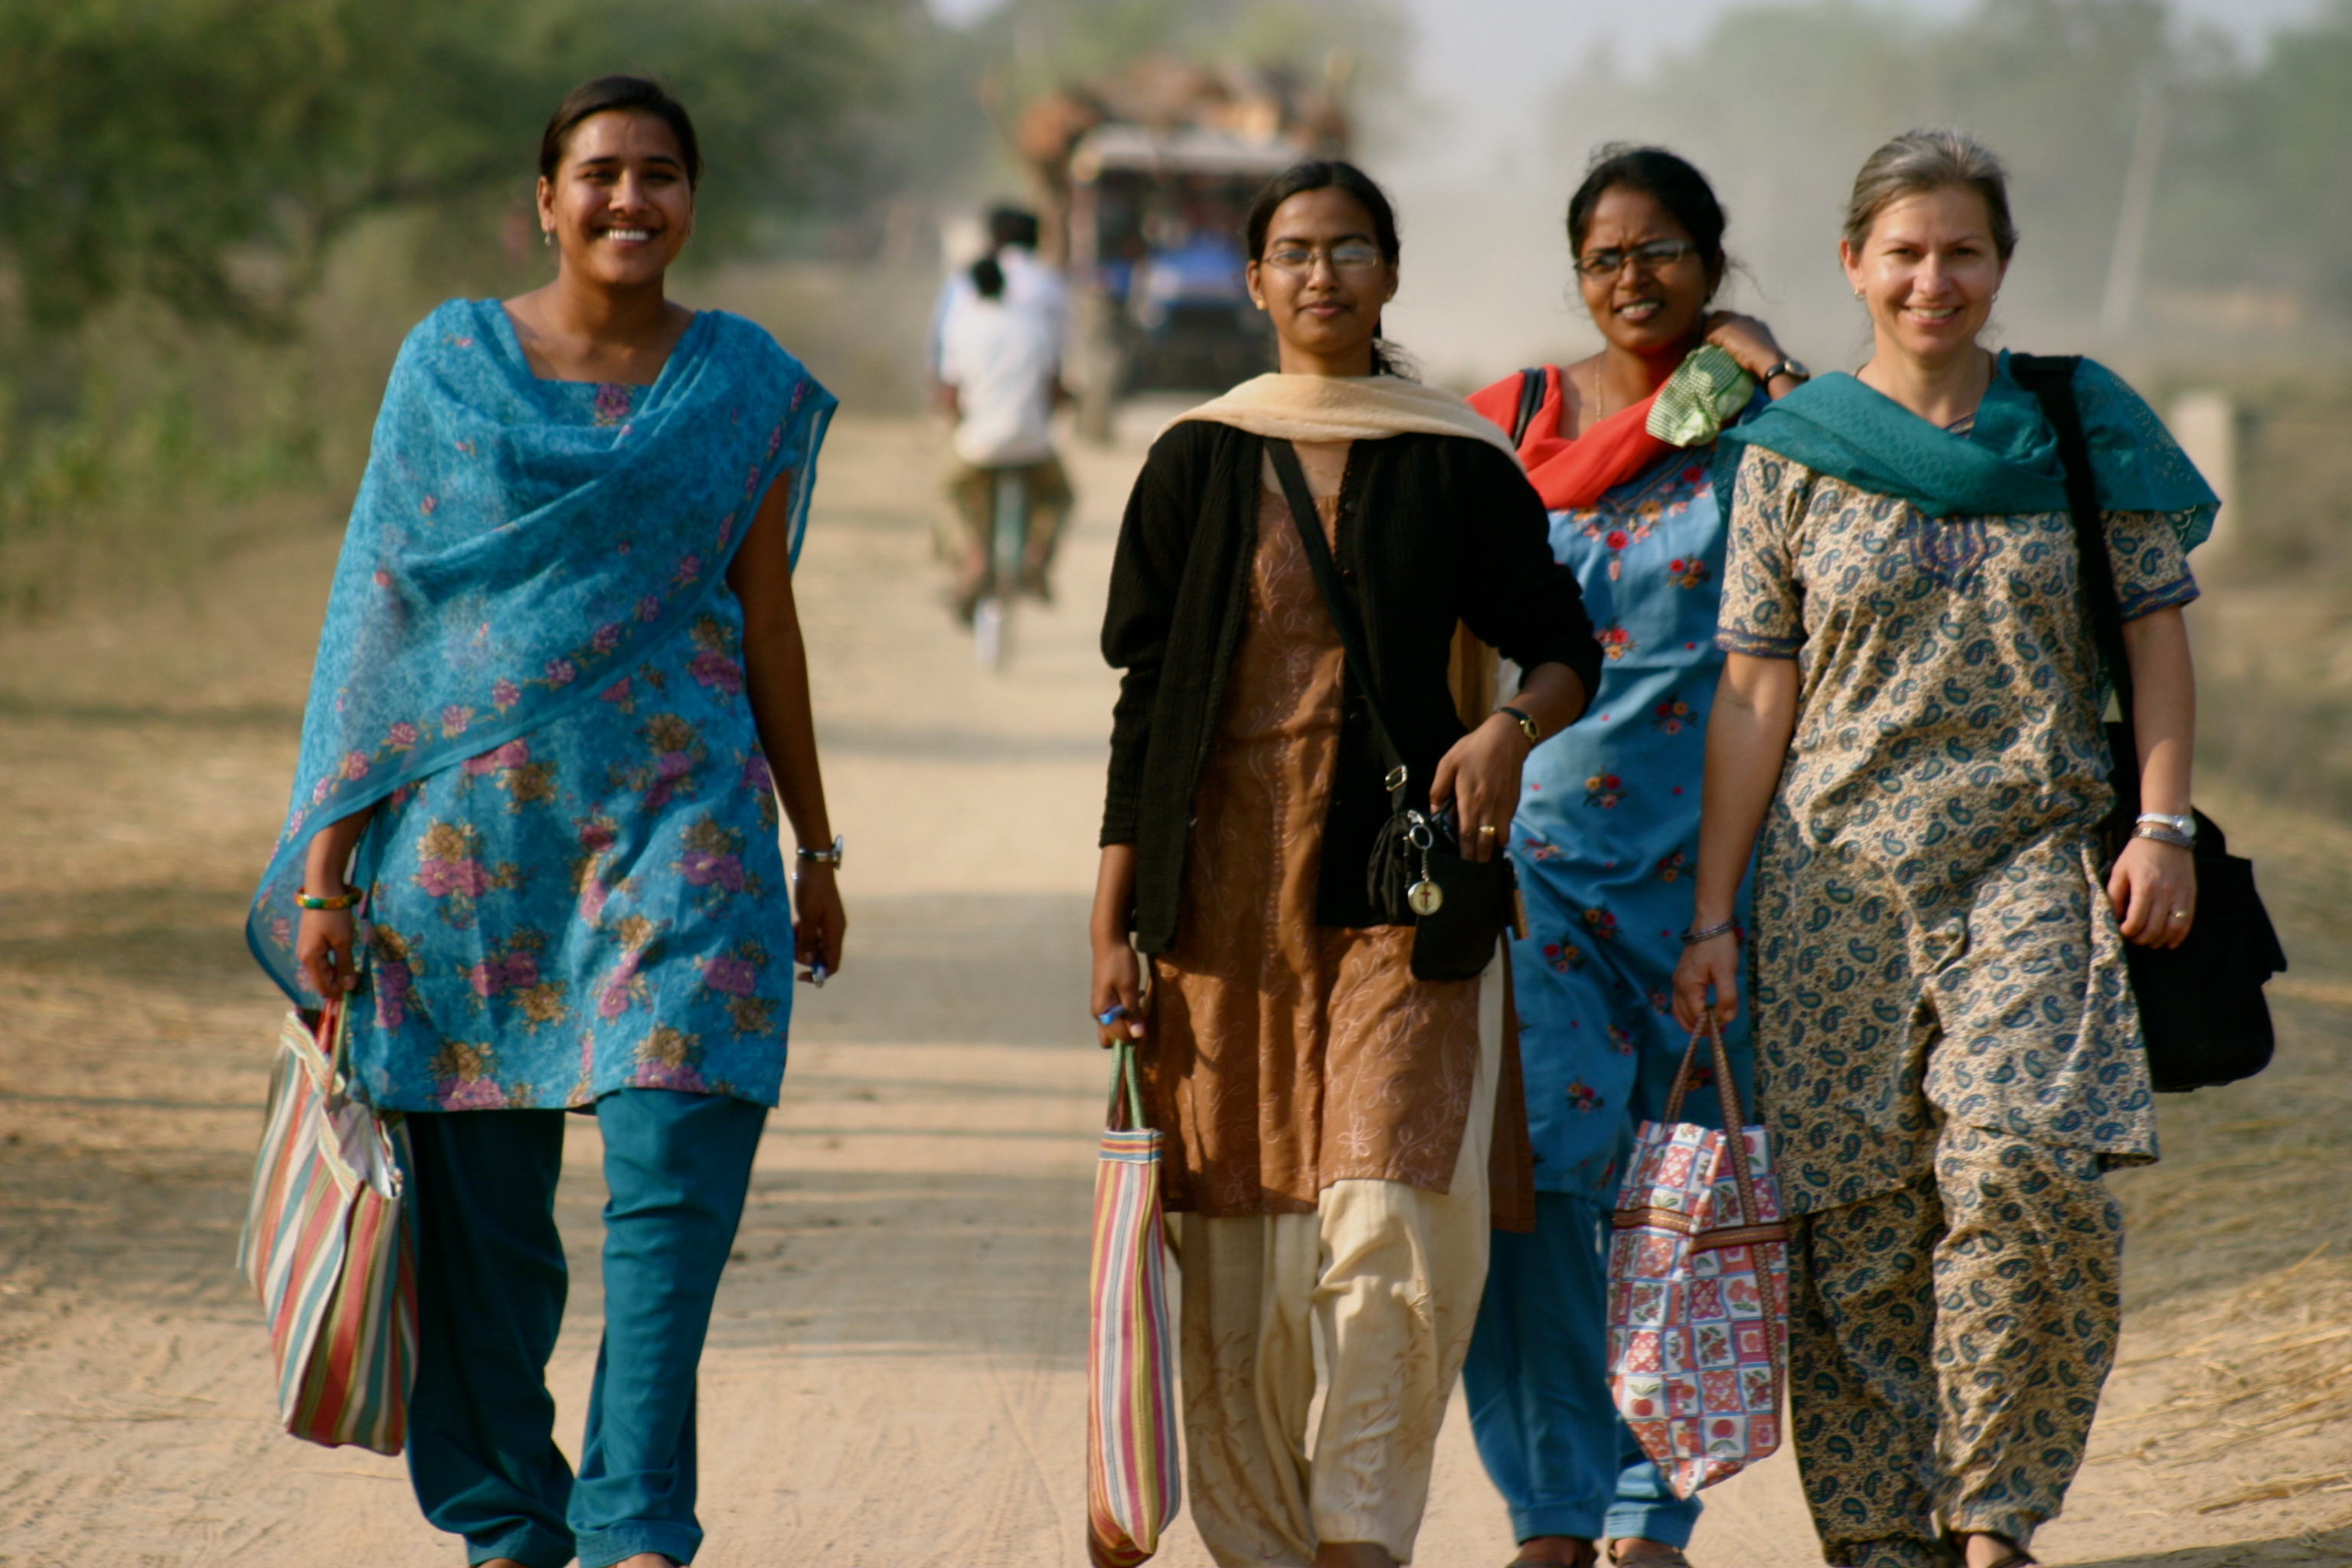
(2007,463)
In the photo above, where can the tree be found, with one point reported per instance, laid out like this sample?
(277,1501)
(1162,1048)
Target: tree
(210,153)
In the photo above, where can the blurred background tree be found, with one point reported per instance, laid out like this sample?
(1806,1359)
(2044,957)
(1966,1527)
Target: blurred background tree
(217,216)
(210,153)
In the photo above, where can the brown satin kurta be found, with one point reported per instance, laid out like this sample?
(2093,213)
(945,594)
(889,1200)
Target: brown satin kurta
(1286,1055)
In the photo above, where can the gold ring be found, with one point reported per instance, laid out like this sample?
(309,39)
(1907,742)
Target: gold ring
(1486,830)
(2180,914)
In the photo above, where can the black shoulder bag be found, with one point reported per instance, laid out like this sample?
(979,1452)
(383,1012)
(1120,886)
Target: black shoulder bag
(1417,876)
(2200,1004)
(1534,381)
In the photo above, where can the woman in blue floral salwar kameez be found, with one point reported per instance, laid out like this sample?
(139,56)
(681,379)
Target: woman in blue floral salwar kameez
(560,691)
(1620,445)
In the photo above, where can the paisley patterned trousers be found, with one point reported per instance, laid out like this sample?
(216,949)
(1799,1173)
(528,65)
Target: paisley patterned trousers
(1947,1341)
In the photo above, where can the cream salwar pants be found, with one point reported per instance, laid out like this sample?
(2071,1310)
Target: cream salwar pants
(1388,1277)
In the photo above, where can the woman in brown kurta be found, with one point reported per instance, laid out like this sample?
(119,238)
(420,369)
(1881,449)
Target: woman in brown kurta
(1294,1054)
(1327,1114)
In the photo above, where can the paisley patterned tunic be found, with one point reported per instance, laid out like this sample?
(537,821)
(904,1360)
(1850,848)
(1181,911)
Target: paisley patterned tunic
(1932,936)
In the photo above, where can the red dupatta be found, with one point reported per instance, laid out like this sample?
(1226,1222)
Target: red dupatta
(1576,473)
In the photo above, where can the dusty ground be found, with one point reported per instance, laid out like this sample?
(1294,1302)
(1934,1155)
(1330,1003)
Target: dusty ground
(895,1375)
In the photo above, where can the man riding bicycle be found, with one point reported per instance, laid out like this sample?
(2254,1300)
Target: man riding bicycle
(1000,371)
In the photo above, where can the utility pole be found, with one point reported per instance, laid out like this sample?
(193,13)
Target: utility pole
(2124,262)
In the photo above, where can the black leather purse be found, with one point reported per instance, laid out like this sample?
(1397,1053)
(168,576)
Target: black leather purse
(1416,875)
(2200,1004)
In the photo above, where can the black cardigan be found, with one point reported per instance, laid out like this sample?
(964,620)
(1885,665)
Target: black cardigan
(1432,530)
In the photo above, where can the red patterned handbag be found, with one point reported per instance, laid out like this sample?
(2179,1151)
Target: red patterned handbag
(1698,1290)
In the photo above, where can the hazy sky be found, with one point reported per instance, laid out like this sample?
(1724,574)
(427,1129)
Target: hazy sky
(1480,194)
(1485,66)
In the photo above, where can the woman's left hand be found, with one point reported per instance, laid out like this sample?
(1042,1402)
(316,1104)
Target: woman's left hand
(819,922)
(1481,777)
(1745,338)
(2154,891)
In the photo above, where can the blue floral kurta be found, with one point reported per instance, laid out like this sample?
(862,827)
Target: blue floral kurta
(1606,838)
(599,905)
(532,671)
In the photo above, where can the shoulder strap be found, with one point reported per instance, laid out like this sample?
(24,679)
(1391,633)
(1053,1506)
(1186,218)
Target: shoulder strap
(1534,382)
(2051,379)
(1343,609)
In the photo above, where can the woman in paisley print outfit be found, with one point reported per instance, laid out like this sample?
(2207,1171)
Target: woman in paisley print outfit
(1947,1050)
(1607,823)
(560,656)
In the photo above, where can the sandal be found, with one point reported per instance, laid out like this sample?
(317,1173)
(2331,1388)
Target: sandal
(1593,1561)
(1671,1558)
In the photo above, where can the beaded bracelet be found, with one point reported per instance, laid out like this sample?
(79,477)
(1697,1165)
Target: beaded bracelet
(1693,938)
(343,900)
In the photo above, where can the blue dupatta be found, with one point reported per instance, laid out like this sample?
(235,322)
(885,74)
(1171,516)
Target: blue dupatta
(517,544)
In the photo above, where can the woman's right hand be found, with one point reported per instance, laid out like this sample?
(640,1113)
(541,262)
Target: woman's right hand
(322,950)
(1118,982)
(1745,338)
(1712,964)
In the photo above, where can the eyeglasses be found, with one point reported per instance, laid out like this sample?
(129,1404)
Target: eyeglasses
(1654,257)
(1348,255)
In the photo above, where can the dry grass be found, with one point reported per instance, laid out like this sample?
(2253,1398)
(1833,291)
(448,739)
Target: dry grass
(2272,1400)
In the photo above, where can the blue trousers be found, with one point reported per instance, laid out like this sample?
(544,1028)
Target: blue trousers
(1537,1380)
(490,1286)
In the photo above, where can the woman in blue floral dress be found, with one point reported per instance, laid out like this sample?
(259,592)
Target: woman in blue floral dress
(560,691)
(1606,830)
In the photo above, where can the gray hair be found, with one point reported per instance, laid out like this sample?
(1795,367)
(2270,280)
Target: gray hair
(1918,162)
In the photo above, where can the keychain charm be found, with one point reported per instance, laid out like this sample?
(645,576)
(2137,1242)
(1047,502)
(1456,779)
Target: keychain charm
(1425,897)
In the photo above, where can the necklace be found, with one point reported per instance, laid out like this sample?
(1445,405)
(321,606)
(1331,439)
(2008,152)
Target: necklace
(1325,471)
(1601,409)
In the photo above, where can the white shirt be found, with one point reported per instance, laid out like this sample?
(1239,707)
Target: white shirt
(1029,285)
(1003,361)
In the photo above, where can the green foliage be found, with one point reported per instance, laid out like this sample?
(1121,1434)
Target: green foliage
(210,153)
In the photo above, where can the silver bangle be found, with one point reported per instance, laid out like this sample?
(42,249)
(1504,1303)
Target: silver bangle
(821,857)
(2160,834)
(2185,822)
(1694,937)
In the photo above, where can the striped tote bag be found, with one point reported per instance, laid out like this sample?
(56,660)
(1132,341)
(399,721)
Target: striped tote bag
(327,1249)
(1131,1482)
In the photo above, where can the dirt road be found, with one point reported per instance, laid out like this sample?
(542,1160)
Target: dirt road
(893,1377)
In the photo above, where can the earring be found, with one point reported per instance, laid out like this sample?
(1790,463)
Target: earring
(547,238)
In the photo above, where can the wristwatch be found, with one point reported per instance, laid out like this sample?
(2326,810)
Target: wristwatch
(821,857)
(1787,367)
(1528,726)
